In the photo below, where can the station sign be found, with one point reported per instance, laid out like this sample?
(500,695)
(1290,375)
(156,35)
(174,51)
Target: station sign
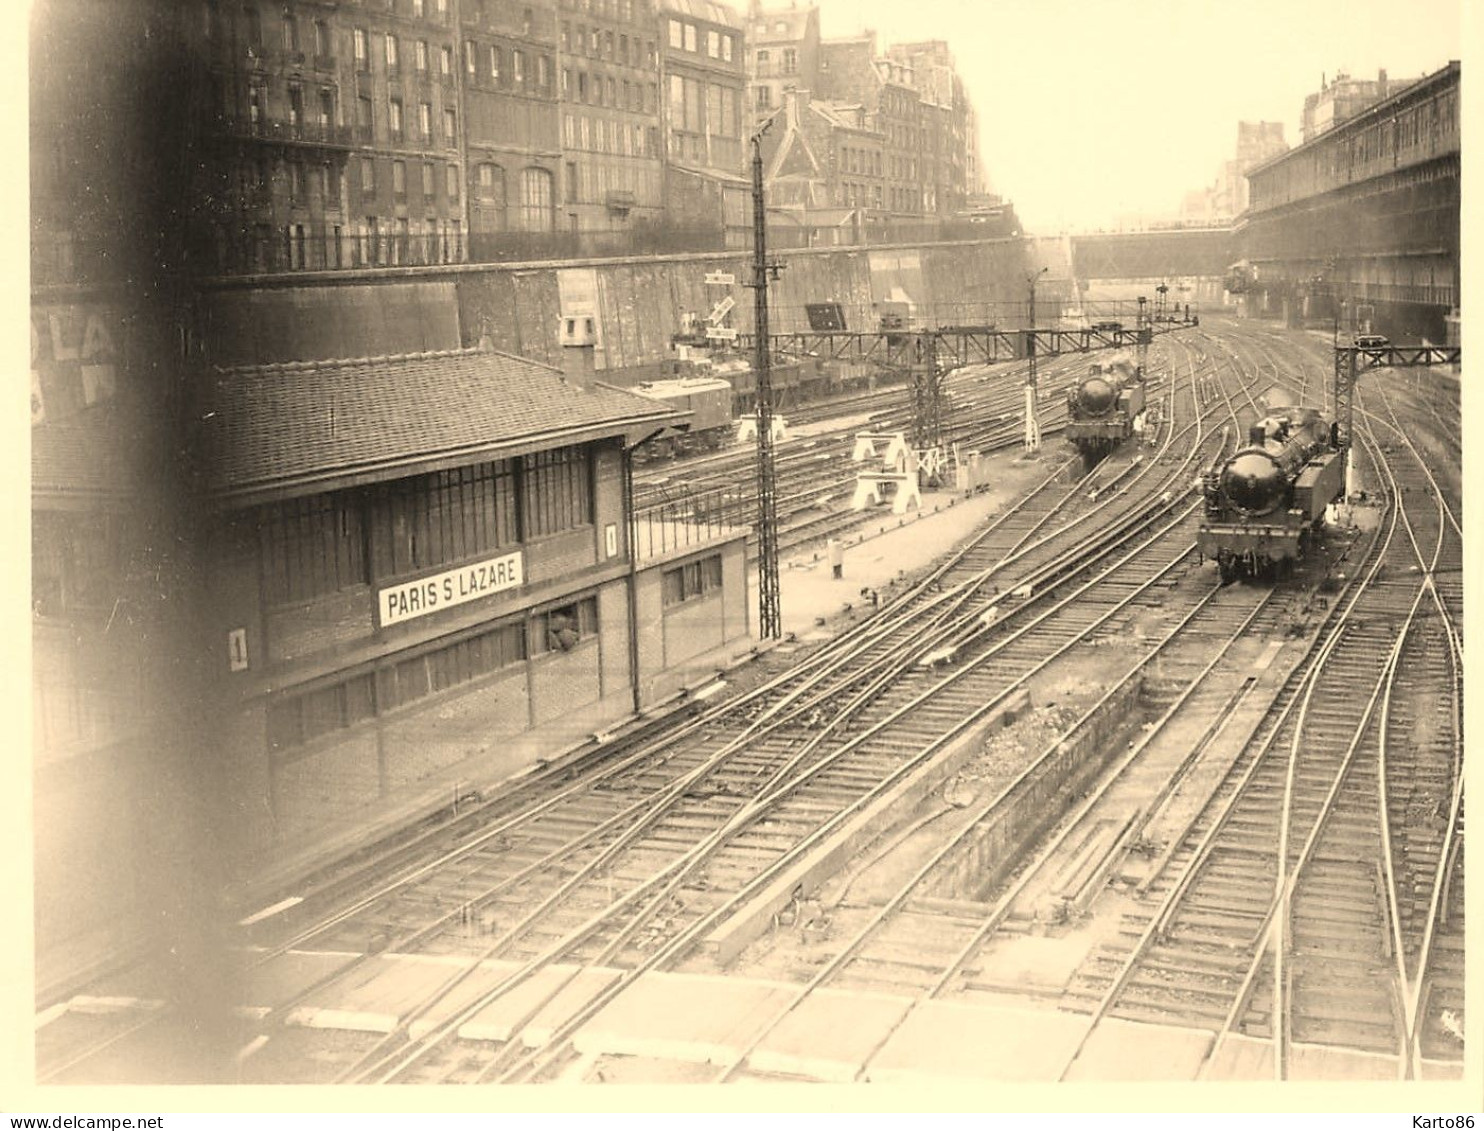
(722,309)
(724,333)
(445,590)
(720,279)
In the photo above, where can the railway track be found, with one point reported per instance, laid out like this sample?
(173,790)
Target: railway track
(632,867)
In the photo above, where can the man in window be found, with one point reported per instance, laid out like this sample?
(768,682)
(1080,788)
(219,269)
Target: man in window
(561,633)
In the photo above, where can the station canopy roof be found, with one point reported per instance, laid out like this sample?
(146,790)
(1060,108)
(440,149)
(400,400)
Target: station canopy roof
(277,431)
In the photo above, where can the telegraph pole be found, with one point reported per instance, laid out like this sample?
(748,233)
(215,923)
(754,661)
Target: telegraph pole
(770,612)
(1032,423)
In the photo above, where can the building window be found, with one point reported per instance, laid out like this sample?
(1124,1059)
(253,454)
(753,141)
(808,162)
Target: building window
(399,179)
(495,66)
(451,182)
(492,185)
(311,547)
(296,247)
(290,32)
(713,45)
(563,628)
(396,119)
(691,581)
(326,108)
(450,127)
(608,45)
(566,81)
(296,182)
(677,34)
(790,61)
(368,177)
(362,51)
(571,182)
(557,483)
(408,680)
(425,120)
(518,66)
(391,52)
(420,56)
(444,518)
(763,58)
(419,8)
(445,60)
(566,36)
(254,29)
(726,48)
(332,186)
(764,98)
(690,37)
(543,71)
(581,86)
(299,720)
(470,66)
(364,117)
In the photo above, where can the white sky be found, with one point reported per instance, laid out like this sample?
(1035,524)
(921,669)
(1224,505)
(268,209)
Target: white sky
(1093,108)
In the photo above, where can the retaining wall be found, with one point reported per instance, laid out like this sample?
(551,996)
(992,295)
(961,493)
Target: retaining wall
(638,304)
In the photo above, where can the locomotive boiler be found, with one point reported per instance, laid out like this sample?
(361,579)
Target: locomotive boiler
(1266,502)
(1103,409)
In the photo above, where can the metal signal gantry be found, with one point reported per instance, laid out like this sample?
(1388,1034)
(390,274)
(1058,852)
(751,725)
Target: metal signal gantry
(1351,361)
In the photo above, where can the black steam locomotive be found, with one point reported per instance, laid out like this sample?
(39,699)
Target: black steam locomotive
(1102,410)
(1266,501)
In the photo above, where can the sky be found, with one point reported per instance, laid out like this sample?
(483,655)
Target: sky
(1089,109)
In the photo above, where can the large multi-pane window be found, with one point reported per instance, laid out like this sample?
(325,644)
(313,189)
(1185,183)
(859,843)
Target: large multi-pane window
(297,720)
(406,681)
(312,547)
(300,719)
(558,490)
(446,517)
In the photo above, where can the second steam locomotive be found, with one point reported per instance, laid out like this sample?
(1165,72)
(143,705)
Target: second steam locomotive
(1103,408)
(1266,501)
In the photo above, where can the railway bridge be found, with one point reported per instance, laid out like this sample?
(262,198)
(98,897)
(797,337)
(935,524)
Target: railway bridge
(1359,227)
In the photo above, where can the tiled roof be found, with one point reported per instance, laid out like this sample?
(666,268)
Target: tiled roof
(279,426)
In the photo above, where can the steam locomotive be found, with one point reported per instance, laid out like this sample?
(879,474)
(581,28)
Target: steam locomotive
(1265,503)
(1103,408)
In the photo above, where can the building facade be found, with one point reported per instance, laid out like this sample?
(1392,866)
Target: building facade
(1362,222)
(1337,102)
(511,141)
(610,103)
(434,584)
(334,136)
(783,54)
(704,61)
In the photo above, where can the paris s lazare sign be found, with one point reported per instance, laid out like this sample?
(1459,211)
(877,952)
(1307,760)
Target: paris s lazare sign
(445,590)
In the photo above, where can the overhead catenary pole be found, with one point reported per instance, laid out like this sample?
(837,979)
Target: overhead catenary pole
(770,612)
(1032,423)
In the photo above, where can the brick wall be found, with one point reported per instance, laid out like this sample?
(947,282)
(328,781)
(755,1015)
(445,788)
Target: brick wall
(561,682)
(331,782)
(456,728)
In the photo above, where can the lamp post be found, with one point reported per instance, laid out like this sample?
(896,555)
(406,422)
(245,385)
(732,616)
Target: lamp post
(1032,425)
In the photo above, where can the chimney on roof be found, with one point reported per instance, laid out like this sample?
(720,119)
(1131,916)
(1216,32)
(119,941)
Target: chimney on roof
(578,335)
(1381,82)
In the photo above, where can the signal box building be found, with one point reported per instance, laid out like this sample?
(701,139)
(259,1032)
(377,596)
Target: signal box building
(424,580)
